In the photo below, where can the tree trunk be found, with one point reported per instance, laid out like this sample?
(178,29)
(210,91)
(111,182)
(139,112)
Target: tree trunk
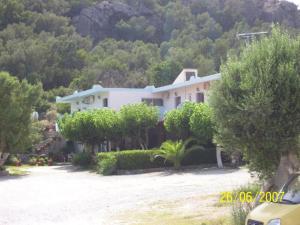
(219,157)
(289,164)
(3,158)
(147,138)
(3,146)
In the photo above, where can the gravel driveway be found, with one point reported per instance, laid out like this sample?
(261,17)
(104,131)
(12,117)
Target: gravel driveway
(61,196)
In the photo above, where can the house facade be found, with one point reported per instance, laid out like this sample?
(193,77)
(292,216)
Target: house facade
(186,87)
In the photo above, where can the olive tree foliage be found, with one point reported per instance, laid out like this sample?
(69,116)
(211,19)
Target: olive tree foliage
(257,105)
(137,119)
(90,127)
(16,105)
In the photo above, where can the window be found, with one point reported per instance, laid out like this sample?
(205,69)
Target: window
(105,102)
(153,101)
(292,192)
(158,102)
(177,101)
(199,97)
(188,75)
(89,100)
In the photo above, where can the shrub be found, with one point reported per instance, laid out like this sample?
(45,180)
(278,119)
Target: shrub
(137,159)
(83,159)
(13,160)
(110,162)
(240,210)
(142,159)
(41,161)
(107,164)
(32,161)
(175,151)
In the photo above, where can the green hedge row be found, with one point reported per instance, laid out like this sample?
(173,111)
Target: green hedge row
(109,162)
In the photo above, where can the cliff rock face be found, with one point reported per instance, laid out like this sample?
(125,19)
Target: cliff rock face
(281,11)
(99,21)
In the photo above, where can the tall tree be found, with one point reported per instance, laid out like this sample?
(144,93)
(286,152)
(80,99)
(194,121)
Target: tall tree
(137,119)
(16,105)
(257,105)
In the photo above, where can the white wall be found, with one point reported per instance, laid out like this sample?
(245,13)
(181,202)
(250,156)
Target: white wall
(98,103)
(118,98)
(184,93)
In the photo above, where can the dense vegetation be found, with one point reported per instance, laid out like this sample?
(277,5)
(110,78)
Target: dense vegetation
(96,127)
(38,40)
(141,42)
(109,162)
(191,120)
(257,105)
(16,102)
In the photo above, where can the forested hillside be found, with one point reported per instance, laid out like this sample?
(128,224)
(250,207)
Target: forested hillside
(72,44)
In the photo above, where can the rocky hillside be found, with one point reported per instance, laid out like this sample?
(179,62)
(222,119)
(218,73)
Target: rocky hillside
(72,44)
(105,19)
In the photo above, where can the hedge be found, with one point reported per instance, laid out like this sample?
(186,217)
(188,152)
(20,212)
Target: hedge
(109,162)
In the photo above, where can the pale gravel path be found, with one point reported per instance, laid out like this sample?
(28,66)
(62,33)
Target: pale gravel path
(59,196)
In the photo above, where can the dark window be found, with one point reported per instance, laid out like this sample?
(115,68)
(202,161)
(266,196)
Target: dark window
(199,97)
(148,101)
(153,101)
(188,75)
(177,101)
(105,102)
(158,102)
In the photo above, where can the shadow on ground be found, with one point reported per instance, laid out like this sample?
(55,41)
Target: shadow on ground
(68,167)
(12,177)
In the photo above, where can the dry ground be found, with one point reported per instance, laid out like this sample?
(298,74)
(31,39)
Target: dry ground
(59,195)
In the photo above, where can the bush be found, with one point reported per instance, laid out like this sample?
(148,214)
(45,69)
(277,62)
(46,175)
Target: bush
(204,156)
(83,159)
(32,161)
(110,162)
(138,159)
(41,161)
(239,210)
(142,159)
(13,161)
(107,164)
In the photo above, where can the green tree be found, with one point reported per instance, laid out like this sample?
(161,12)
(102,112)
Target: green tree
(16,105)
(137,119)
(91,127)
(201,124)
(11,11)
(257,105)
(177,121)
(164,73)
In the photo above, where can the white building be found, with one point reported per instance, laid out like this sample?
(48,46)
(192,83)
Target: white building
(186,87)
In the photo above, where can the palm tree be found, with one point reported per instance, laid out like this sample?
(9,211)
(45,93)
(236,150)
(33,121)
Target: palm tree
(176,151)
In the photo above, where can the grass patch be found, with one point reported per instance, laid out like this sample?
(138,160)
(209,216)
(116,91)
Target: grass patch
(18,170)
(200,210)
(172,218)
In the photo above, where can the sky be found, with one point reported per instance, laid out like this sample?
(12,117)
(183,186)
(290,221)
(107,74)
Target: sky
(297,2)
